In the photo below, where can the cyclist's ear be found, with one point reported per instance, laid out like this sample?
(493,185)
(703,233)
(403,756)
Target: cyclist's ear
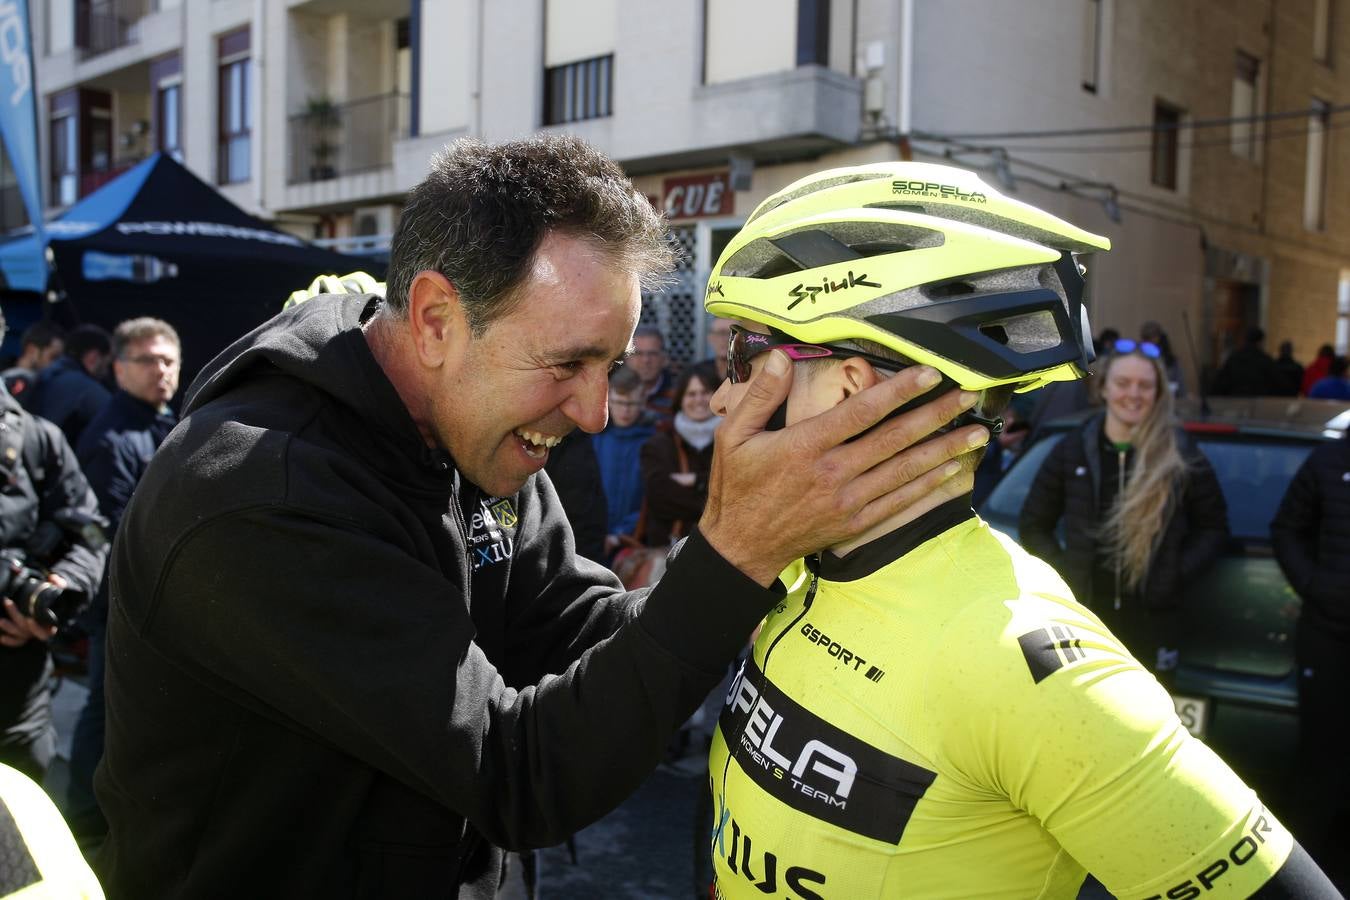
(853,375)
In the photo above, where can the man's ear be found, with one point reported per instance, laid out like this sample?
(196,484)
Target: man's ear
(436,318)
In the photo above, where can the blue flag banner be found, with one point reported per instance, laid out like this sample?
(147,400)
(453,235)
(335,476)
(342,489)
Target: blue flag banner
(18,109)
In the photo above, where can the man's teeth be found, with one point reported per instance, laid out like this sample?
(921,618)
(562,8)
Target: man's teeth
(540,440)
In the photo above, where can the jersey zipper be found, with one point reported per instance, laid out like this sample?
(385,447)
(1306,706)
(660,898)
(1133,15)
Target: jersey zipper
(812,563)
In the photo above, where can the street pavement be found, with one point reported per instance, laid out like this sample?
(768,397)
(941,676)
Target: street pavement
(643,850)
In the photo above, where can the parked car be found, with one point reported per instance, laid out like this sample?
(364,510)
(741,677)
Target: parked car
(1236,677)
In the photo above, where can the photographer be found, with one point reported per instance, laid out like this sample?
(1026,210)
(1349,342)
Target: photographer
(49,562)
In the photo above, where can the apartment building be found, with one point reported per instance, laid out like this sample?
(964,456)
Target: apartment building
(321,114)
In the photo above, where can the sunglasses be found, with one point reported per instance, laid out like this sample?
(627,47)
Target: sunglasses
(744,345)
(1126,345)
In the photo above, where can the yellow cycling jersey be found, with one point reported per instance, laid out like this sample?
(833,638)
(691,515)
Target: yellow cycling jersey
(942,719)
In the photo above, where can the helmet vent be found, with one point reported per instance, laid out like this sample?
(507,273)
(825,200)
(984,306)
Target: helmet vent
(947,290)
(825,244)
(995,333)
(983,219)
(821,185)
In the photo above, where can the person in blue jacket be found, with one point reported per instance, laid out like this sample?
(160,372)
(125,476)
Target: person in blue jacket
(617,448)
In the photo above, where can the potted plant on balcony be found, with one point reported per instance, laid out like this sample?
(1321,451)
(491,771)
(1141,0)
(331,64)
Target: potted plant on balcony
(323,118)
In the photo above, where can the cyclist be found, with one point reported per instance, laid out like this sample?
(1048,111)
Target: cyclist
(928,712)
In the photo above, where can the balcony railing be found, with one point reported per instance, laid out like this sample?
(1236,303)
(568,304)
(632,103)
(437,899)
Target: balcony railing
(105,25)
(332,139)
(578,91)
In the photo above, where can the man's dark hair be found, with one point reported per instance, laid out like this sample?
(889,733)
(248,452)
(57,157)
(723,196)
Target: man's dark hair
(41,334)
(1255,336)
(1339,364)
(84,338)
(481,214)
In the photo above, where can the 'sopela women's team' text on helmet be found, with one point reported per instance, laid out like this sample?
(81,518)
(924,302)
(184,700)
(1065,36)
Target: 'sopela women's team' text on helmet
(924,259)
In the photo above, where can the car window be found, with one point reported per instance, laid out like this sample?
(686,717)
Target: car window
(1005,502)
(1254,475)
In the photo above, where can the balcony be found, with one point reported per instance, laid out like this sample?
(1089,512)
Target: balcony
(102,26)
(330,140)
(786,115)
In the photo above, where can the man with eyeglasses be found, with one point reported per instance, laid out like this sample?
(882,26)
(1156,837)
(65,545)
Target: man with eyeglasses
(114,451)
(649,361)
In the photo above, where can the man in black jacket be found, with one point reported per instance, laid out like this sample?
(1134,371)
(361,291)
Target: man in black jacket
(42,479)
(114,451)
(351,649)
(1311,533)
(1249,370)
(70,392)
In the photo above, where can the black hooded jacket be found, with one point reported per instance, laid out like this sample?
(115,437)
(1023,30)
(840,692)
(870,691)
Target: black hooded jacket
(39,477)
(1311,533)
(335,669)
(1191,535)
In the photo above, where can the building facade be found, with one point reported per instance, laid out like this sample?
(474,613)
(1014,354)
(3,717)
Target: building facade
(321,114)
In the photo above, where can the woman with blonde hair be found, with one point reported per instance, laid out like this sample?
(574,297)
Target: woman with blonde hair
(1142,511)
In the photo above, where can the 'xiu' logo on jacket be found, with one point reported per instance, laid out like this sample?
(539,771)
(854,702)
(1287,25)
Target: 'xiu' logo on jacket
(492,532)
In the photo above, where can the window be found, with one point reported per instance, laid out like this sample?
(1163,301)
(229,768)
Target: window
(1166,124)
(1314,184)
(65,148)
(813,32)
(235,144)
(1242,132)
(1322,22)
(579,90)
(1092,46)
(167,106)
(167,76)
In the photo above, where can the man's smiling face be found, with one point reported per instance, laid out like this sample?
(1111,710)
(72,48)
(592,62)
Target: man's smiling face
(541,369)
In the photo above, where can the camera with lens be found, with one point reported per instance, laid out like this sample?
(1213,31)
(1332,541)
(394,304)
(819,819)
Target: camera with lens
(23,572)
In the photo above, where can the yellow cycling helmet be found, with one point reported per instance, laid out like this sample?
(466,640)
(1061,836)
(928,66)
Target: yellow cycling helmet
(351,283)
(925,259)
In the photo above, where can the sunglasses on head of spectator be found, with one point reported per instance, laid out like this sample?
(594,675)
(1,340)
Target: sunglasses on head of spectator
(1126,345)
(744,345)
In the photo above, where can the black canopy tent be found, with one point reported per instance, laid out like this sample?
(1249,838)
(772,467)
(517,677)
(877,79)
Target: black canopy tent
(158,241)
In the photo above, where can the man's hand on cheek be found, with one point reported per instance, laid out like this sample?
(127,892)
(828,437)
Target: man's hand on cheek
(775,496)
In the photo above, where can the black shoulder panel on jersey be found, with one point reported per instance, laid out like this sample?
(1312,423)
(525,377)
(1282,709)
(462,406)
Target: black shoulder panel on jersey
(1299,879)
(1047,650)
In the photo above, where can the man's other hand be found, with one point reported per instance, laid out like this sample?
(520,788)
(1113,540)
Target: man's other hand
(776,496)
